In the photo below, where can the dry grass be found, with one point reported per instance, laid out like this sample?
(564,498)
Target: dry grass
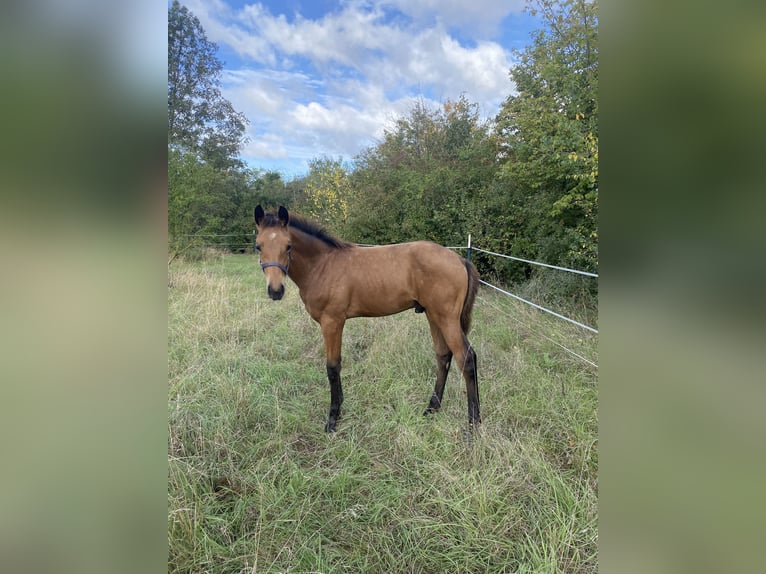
(255,485)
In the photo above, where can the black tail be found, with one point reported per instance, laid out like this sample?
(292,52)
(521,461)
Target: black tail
(470,296)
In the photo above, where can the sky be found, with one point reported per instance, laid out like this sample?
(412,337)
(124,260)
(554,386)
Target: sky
(322,78)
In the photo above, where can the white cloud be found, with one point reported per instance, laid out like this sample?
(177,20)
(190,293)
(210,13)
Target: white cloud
(340,128)
(266,145)
(254,93)
(484,69)
(329,86)
(338,125)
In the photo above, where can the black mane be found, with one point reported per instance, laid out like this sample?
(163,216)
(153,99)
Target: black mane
(308,227)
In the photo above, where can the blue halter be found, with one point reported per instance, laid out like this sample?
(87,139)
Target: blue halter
(276,264)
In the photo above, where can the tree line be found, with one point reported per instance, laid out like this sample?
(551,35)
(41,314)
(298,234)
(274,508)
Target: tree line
(524,182)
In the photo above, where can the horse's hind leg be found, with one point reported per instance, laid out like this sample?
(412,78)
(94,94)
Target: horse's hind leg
(465,358)
(443,362)
(471,384)
(332,331)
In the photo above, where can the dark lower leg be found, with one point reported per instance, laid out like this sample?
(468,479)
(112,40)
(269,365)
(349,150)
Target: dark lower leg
(336,396)
(471,385)
(443,363)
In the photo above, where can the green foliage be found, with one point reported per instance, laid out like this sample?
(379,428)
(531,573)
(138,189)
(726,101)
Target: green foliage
(422,181)
(266,188)
(328,191)
(256,485)
(524,183)
(195,203)
(548,135)
(211,206)
(210,192)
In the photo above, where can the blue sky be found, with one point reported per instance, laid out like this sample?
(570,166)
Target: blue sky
(322,78)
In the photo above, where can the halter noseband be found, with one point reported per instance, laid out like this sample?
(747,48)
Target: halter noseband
(276,264)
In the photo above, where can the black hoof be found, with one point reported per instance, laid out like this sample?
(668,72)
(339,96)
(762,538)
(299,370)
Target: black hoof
(330,426)
(433,405)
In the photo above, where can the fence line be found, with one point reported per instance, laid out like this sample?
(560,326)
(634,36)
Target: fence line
(448,247)
(469,247)
(536,306)
(225,244)
(536,262)
(570,351)
(214,234)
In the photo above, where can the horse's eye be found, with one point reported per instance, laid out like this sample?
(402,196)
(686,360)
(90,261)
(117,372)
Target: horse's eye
(289,247)
(257,247)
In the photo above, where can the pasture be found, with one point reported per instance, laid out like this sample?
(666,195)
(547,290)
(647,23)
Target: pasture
(256,485)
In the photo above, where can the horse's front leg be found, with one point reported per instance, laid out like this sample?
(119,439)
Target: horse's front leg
(443,361)
(332,331)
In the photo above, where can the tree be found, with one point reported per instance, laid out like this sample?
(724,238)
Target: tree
(328,191)
(548,136)
(422,181)
(208,185)
(200,120)
(264,188)
(197,202)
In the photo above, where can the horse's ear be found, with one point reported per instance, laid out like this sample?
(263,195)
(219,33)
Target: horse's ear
(283,216)
(259,215)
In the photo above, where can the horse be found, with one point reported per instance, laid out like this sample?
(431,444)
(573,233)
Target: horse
(338,280)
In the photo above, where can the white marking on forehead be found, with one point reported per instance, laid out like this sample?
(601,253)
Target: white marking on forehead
(273,235)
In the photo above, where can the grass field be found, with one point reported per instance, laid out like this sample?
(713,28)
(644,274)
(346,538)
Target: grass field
(255,484)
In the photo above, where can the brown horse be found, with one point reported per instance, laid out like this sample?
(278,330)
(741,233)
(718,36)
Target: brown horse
(339,280)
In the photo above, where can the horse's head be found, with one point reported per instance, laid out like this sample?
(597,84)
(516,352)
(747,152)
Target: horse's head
(273,245)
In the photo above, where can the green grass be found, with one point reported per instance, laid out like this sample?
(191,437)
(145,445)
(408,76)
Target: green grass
(256,485)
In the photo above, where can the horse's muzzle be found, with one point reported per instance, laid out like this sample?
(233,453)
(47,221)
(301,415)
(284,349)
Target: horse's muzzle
(276,294)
